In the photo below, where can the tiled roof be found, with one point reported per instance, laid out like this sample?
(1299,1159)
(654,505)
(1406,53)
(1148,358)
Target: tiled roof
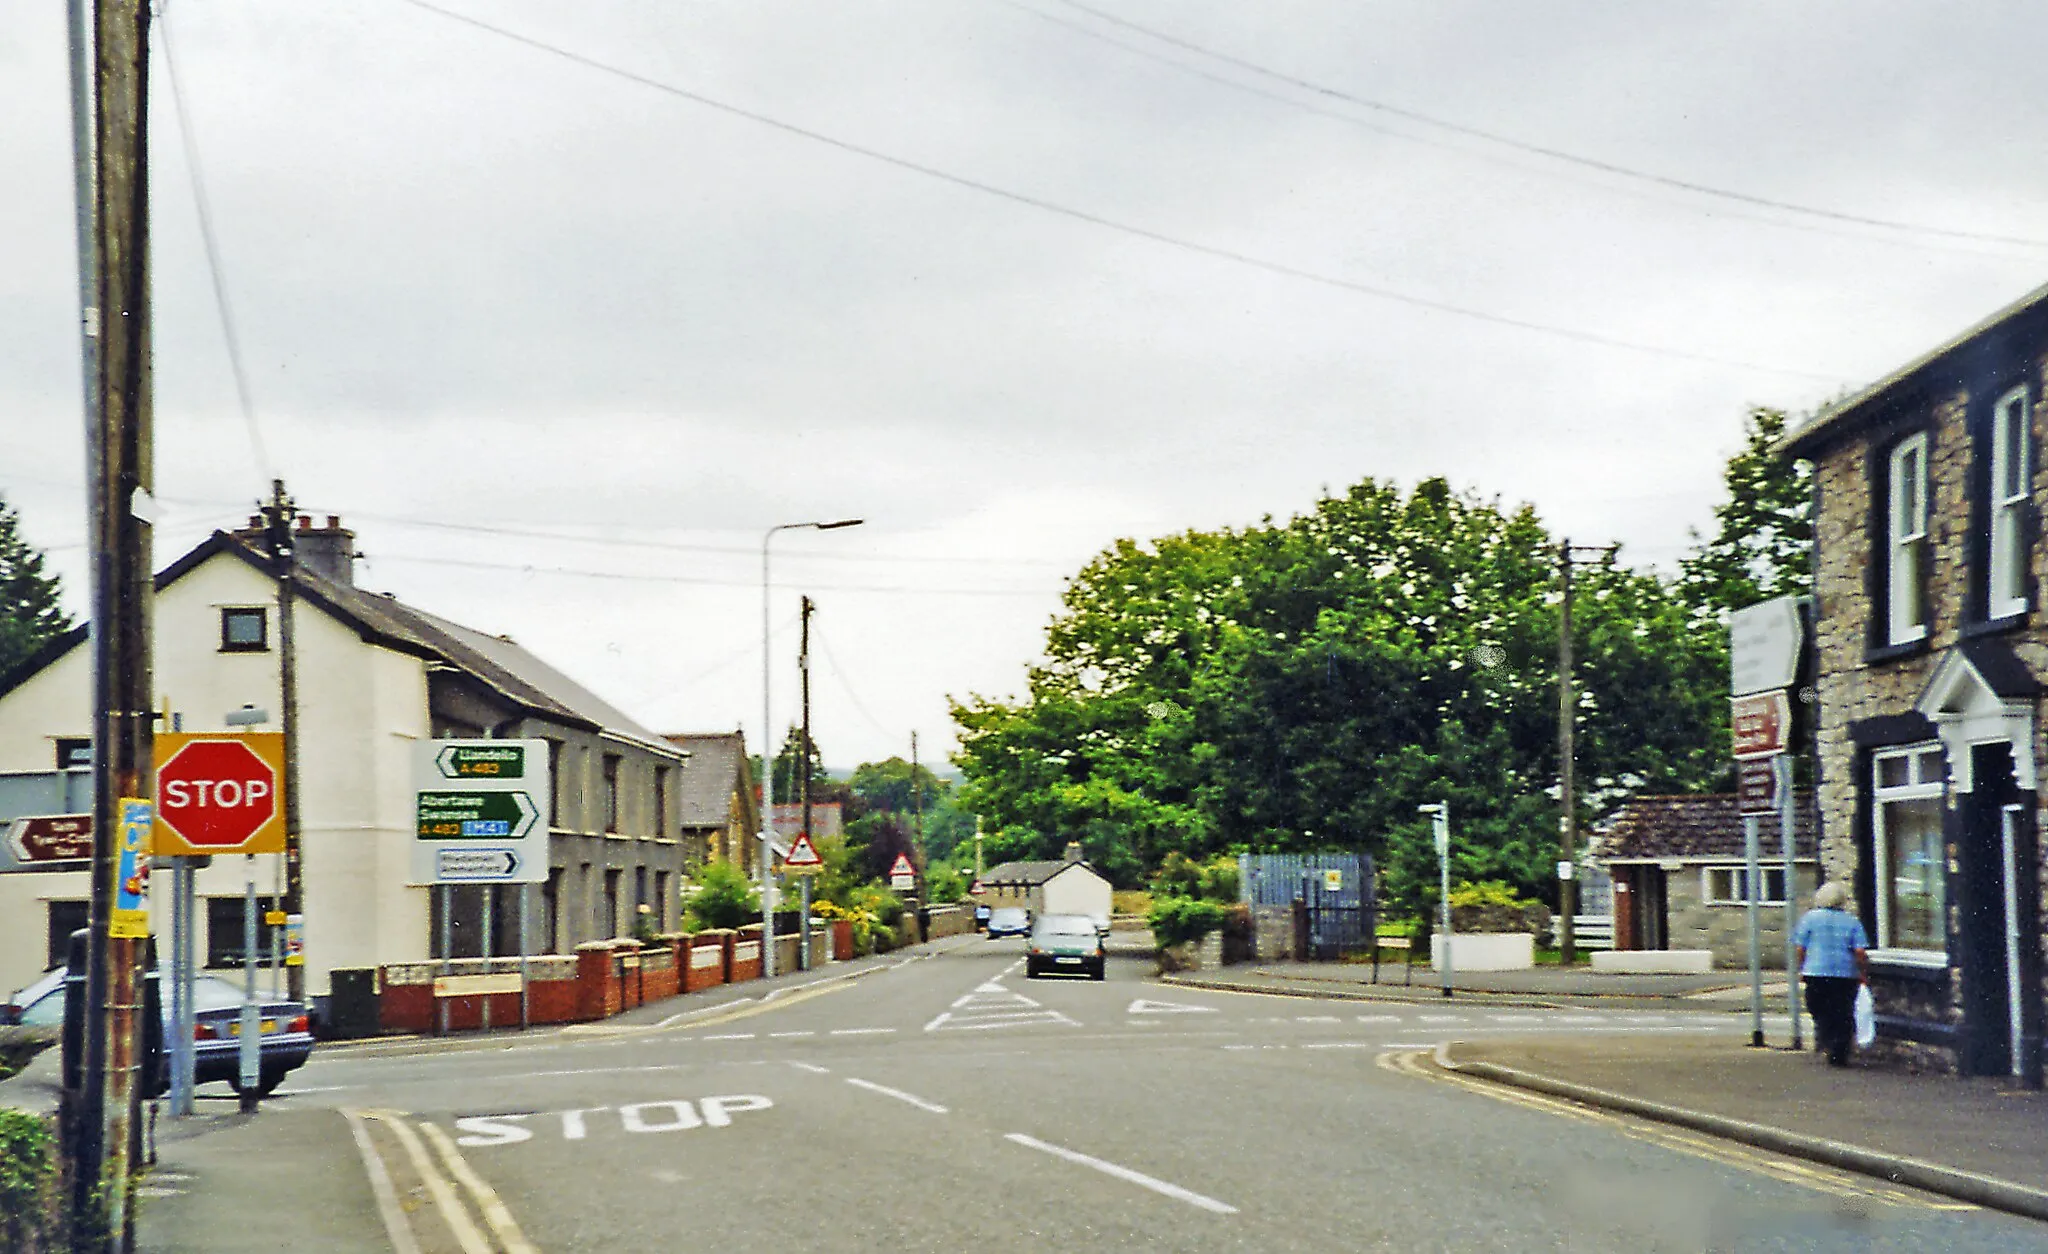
(1028,874)
(1699,827)
(717,769)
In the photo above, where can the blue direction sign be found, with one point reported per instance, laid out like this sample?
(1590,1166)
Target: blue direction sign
(480,812)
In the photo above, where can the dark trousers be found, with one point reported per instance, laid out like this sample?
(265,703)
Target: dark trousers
(1832,999)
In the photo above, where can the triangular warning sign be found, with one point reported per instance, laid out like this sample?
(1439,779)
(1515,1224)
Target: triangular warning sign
(1143,1007)
(803,853)
(902,866)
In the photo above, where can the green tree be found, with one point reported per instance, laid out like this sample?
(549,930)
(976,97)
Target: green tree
(1762,545)
(724,898)
(31,612)
(788,780)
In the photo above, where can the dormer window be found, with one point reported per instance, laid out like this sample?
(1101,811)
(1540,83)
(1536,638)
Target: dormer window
(2006,573)
(1906,553)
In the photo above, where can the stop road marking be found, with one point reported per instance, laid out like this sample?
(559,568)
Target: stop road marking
(639,1117)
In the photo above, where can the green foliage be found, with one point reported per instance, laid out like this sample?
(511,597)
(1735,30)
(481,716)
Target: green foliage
(1182,876)
(725,898)
(791,765)
(28,1171)
(1303,686)
(1487,893)
(1175,920)
(1762,545)
(944,884)
(31,612)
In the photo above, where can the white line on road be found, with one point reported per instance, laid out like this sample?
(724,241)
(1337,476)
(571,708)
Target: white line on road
(1339,1045)
(1139,1178)
(1441,1018)
(388,1209)
(898,1094)
(861,1031)
(1317,1019)
(811,1067)
(1379,1018)
(780,1035)
(729,1036)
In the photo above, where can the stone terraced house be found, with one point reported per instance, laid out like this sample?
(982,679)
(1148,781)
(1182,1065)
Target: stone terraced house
(1927,501)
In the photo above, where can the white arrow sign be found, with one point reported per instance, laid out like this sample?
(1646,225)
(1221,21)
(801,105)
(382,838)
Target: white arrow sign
(464,865)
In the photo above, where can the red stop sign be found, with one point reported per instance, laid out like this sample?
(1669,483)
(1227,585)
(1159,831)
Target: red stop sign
(216,794)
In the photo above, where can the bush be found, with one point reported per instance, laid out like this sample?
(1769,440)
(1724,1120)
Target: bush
(1175,920)
(1182,876)
(1130,901)
(1493,906)
(28,1174)
(725,898)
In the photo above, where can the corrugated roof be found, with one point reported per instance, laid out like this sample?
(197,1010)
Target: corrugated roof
(1698,827)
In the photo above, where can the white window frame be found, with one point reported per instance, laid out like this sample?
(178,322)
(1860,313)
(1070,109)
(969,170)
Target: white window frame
(1926,777)
(1736,874)
(1905,509)
(2010,486)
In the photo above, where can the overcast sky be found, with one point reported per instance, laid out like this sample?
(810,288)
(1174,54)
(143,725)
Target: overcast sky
(1008,280)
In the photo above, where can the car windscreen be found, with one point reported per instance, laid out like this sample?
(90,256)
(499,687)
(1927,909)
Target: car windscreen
(1007,916)
(1065,925)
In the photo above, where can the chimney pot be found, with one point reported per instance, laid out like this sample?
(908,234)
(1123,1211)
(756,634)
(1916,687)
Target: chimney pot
(305,522)
(334,522)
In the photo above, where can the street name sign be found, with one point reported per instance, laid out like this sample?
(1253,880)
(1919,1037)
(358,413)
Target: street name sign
(803,856)
(218,793)
(1756,786)
(480,812)
(1760,724)
(1763,646)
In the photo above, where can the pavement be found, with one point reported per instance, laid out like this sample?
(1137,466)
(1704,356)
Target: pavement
(1542,986)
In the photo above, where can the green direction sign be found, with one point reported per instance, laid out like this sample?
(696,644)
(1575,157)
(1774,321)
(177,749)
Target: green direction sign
(507,761)
(475,815)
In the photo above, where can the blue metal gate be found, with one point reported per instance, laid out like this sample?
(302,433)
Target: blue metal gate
(1336,891)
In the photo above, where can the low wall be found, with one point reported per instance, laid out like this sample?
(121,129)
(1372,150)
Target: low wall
(1654,961)
(948,921)
(743,954)
(1486,951)
(705,966)
(406,1000)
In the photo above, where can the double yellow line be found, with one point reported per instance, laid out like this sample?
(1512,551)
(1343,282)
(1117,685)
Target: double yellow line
(439,1173)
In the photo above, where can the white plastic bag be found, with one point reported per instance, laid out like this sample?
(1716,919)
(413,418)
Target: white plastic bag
(1866,1017)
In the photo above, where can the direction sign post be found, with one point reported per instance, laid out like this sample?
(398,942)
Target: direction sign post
(480,812)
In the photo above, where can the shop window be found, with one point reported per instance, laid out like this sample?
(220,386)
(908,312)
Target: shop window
(224,932)
(1909,859)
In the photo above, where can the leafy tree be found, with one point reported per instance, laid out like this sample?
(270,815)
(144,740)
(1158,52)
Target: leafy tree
(31,612)
(725,897)
(1305,685)
(1762,545)
(787,783)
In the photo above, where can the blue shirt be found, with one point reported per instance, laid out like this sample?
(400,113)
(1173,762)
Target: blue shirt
(1830,939)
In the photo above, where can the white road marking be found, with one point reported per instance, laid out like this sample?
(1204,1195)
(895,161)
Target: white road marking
(388,1209)
(729,1036)
(1379,1018)
(1339,1045)
(861,1031)
(783,1035)
(811,1067)
(1441,1018)
(1139,1178)
(1145,1007)
(898,1094)
(1317,1019)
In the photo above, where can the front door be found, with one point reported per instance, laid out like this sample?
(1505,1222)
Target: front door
(1996,927)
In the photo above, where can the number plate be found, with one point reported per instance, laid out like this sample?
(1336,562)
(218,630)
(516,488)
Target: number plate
(268,1026)
(1069,960)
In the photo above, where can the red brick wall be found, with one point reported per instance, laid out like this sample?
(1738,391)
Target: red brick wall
(743,954)
(597,981)
(709,947)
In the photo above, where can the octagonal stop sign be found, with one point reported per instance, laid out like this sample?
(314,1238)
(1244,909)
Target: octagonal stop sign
(219,793)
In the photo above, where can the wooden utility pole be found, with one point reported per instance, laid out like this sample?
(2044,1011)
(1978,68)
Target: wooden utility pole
(1567,723)
(278,514)
(916,803)
(101,1133)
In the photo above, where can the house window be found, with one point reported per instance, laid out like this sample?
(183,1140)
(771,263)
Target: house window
(554,783)
(244,630)
(611,792)
(224,932)
(608,923)
(1906,541)
(661,801)
(66,917)
(1910,862)
(1727,885)
(73,751)
(660,902)
(2006,584)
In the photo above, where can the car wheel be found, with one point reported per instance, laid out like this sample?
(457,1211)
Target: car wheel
(1030,970)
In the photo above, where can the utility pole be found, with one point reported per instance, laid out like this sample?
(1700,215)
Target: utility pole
(1567,721)
(916,803)
(278,514)
(803,951)
(100,1139)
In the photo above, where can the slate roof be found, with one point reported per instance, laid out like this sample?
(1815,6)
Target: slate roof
(1702,827)
(1027,874)
(717,768)
(493,661)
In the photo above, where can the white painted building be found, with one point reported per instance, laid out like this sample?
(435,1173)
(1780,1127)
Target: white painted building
(1068,886)
(374,677)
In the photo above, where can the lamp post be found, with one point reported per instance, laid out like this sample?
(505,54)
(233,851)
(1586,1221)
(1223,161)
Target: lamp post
(1440,812)
(767,739)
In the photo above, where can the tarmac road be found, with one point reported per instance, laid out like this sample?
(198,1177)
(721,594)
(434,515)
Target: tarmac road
(947,1102)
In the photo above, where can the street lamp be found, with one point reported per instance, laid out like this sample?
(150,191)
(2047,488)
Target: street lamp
(767,735)
(1441,812)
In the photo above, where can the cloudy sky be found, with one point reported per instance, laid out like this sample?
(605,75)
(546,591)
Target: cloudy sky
(561,316)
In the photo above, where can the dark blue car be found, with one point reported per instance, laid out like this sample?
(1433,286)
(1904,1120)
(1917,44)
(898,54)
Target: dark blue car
(1009,921)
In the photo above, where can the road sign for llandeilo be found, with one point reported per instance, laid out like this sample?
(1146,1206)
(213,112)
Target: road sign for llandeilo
(1760,724)
(219,793)
(803,855)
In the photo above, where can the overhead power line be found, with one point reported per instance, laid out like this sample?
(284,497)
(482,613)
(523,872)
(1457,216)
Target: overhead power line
(636,577)
(1139,232)
(1554,154)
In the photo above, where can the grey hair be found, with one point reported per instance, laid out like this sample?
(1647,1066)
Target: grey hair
(1831,896)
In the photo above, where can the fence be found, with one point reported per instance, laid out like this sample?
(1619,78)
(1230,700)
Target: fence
(1336,891)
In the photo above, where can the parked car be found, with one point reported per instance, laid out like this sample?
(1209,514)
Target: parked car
(1067,943)
(1009,921)
(286,1043)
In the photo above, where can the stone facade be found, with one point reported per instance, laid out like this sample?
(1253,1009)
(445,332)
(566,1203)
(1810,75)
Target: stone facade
(1970,686)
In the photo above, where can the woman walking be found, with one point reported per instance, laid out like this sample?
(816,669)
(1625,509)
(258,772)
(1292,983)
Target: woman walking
(1834,959)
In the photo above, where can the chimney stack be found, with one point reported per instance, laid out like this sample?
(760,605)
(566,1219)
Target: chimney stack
(1073,851)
